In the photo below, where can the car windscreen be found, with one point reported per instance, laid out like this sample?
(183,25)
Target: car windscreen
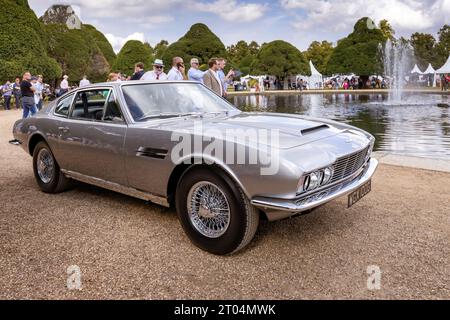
(158,100)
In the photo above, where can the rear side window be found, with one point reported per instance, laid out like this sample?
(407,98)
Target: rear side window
(63,106)
(89,105)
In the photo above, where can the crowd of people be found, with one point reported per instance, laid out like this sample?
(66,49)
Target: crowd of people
(29,92)
(214,78)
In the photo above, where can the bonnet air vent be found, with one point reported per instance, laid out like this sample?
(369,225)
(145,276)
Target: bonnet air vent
(313,129)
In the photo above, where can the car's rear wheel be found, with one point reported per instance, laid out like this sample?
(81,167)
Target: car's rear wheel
(214,212)
(46,170)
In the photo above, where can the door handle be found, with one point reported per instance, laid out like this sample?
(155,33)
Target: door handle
(63,129)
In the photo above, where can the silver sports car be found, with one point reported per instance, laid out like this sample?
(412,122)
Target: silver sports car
(178,144)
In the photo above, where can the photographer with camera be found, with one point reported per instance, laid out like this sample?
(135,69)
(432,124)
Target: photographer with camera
(178,71)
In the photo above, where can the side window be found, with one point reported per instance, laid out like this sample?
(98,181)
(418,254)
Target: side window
(63,106)
(89,105)
(112,110)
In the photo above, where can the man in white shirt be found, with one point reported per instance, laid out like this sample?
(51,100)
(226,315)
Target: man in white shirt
(178,71)
(157,73)
(64,86)
(84,82)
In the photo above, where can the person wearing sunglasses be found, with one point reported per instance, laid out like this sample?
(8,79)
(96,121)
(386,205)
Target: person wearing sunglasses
(194,73)
(157,73)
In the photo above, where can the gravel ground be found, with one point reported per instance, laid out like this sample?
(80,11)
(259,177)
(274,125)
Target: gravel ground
(127,249)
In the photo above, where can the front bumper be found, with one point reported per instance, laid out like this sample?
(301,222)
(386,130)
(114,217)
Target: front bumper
(277,209)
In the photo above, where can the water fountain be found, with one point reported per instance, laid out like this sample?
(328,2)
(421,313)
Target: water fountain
(397,57)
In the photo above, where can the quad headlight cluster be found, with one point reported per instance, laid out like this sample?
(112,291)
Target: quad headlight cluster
(317,179)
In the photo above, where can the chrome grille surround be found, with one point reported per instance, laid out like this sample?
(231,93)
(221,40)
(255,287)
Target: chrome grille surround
(349,164)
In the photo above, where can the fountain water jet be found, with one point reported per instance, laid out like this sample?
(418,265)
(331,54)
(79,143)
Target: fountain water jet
(397,57)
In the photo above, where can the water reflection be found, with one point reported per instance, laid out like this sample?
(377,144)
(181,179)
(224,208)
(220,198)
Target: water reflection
(417,126)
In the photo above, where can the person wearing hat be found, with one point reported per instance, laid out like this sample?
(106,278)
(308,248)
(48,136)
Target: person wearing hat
(194,73)
(157,73)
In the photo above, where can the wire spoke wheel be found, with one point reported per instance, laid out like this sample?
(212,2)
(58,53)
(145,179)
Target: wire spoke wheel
(45,166)
(209,210)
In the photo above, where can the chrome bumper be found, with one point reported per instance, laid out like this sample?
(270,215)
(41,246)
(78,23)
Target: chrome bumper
(277,209)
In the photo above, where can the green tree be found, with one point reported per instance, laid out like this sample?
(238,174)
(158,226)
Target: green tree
(319,53)
(242,55)
(443,46)
(160,48)
(280,58)
(77,52)
(387,30)
(102,43)
(425,50)
(199,42)
(359,51)
(133,51)
(23,43)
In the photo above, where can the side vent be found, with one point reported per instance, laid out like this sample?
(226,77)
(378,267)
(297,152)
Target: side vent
(152,153)
(313,129)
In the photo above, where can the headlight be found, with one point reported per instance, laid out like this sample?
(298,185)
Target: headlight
(316,179)
(327,175)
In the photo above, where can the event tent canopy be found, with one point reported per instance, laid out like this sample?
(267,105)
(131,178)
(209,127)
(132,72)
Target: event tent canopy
(416,70)
(445,68)
(316,79)
(430,69)
(314,71)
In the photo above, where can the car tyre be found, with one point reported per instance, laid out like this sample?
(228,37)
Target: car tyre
(46,170)
(214,212)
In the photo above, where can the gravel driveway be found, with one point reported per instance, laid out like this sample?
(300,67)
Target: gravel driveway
(127,249)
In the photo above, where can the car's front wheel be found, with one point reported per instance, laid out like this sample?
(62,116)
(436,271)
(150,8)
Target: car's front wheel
(46,170)
(214,212)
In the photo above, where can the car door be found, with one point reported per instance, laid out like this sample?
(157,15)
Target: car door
(92,136)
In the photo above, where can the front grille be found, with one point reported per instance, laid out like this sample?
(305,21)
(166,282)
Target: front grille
(346,166)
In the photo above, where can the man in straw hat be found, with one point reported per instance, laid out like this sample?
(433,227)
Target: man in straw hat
(157,73)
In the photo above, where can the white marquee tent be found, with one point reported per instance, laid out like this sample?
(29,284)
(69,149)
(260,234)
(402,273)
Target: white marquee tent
(315,80)
(416,70)
(430,71)
(445,68)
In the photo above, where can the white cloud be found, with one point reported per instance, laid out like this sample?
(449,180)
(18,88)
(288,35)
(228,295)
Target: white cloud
(404,15)
(117,42)
(118,8)
(231,10)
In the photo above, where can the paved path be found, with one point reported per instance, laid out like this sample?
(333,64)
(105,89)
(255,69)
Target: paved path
(128,249)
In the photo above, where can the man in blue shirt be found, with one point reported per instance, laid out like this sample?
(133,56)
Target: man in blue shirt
(194,74)
(39,86)
(226,80)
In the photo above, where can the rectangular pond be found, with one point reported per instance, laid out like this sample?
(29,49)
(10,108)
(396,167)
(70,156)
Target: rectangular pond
(417,125)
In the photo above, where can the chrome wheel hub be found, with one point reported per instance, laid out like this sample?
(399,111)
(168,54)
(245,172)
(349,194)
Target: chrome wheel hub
(208,209)
(45,166)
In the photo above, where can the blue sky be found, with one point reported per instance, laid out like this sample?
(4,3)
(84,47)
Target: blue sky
(297,21)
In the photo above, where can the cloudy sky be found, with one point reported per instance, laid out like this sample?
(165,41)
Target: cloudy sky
(296,21)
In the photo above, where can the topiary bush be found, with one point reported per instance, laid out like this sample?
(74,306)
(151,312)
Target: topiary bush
(133,51)
(199,42)
(22,42)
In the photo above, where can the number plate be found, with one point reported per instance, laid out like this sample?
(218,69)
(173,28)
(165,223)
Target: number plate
(360,193)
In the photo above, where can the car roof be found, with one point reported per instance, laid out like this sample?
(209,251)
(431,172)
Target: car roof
(118,84)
